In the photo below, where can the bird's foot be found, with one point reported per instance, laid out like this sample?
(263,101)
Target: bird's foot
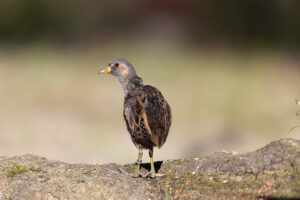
(153,175)
(137,175)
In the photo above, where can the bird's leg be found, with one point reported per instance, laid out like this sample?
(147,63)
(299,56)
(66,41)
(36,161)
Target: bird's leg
(152,173)
(138,164)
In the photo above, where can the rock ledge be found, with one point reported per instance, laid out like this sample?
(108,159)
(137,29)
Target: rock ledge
(272,172)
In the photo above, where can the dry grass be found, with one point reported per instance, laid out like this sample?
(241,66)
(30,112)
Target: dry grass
(54,104)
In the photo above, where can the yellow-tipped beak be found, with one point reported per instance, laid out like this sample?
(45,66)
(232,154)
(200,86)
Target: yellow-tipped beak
(106,70)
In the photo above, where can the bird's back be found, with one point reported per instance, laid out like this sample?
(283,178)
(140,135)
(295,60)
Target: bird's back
(148,117)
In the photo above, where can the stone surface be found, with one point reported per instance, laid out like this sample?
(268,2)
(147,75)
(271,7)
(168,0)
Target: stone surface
(270,172)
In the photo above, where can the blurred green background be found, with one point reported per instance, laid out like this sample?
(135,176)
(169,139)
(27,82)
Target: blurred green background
(230,71)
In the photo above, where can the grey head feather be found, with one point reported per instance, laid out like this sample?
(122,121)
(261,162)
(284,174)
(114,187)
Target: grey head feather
(131,82)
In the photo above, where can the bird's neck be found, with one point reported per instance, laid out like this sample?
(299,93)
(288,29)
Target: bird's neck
(131,84)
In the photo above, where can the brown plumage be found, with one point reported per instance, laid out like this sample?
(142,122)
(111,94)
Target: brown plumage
(146,112)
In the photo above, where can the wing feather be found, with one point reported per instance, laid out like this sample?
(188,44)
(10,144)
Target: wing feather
(157,114)
(148,113)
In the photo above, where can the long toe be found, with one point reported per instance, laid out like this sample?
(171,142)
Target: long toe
(149,174)
(137,174)
(159,175)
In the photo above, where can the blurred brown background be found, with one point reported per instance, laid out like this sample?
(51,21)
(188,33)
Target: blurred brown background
(230,71)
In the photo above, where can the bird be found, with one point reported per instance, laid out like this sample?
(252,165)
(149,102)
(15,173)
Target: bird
(145,110)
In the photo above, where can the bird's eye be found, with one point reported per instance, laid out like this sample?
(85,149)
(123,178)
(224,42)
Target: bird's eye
(117,64)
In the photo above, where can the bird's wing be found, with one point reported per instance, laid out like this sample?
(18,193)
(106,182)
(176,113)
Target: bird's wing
(156,114)
(148,112)
(132,114)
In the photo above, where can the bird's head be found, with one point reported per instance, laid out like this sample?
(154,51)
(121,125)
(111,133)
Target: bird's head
(120,68)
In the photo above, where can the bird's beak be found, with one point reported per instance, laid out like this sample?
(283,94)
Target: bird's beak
(106,70)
